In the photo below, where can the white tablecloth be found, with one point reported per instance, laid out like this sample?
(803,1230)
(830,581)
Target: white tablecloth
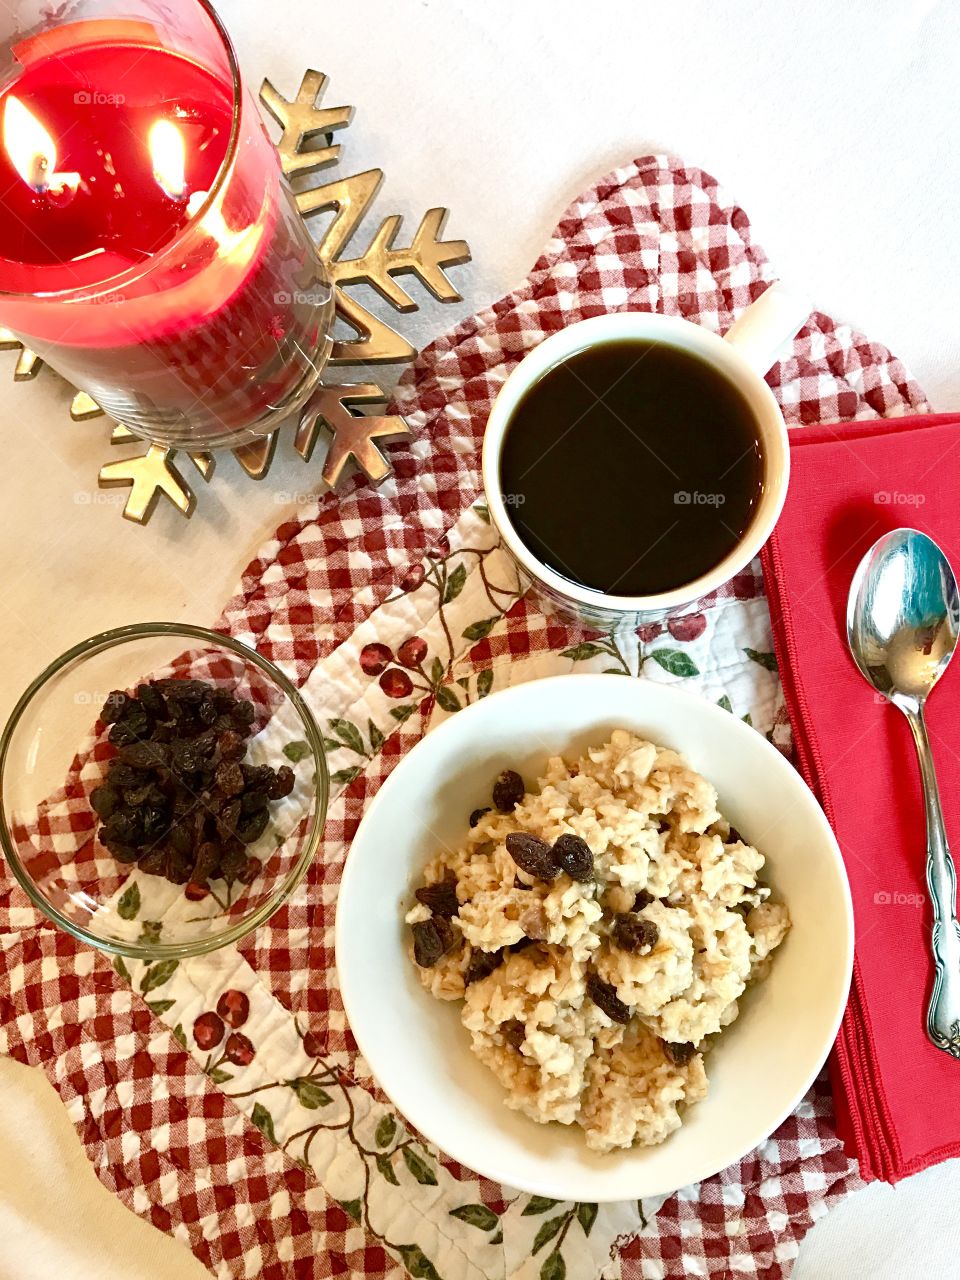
(832,124)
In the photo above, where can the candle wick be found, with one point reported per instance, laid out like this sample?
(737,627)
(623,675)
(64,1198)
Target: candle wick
(38,177)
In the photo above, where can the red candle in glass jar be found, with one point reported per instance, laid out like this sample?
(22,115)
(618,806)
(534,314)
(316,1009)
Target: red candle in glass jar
(149,248)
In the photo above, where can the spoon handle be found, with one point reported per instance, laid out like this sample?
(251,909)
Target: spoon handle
(943,1014)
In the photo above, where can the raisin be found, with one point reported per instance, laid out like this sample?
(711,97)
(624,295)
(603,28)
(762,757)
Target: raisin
(182,693)
(533,855)
(513,1032)
(132,728)
(482,964)
(223,700)
(232,863)
(282,784)
(679,1054)
(184,802)
(153,700)
(643,899)
(432,939)
(178,867)
(604,996)
(103,800)
(123,827)
(121,775)
(253,801)
(231,744)
(114,706)
(243,714)
(207,712)
(257,776)
(154,861)
(155,822)
(633,933)
(229,778)
(440,898)
(574,856)
(186,757)
(476,816)
(228,818)
(144,755)
(137,796)
(253,827)
(207,863)
(180,837)
(508,791)
(151,795)
(141,754)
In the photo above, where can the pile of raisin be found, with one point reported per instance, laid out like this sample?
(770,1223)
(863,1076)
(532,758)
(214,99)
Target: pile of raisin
(433,938)
(545,862)
(177,798)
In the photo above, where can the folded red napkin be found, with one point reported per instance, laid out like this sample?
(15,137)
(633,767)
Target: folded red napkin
(897,1097)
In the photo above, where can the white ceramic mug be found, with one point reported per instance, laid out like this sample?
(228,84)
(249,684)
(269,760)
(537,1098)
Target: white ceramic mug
(743,356)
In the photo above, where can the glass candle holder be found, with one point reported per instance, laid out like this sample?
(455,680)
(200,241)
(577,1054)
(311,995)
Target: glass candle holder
(150,249)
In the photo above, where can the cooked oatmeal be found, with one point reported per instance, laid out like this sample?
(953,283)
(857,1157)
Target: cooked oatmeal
(599,930)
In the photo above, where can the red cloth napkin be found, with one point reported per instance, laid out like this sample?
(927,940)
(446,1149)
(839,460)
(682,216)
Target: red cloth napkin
(897,1097)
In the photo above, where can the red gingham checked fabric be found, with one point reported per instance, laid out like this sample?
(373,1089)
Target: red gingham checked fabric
(351,569)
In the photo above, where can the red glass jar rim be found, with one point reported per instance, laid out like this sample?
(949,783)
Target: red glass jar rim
(112,283)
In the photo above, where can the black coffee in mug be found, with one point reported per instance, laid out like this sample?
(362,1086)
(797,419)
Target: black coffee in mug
(632,467)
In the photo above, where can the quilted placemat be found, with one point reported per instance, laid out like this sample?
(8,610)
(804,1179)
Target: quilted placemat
(256,1135)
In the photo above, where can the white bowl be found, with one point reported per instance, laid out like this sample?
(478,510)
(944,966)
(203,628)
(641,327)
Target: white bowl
(415,1045)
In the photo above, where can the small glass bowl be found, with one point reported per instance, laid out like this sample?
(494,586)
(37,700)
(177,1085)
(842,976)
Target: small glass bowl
(54,751)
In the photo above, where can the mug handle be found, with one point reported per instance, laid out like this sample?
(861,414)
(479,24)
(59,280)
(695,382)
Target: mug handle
(760,331)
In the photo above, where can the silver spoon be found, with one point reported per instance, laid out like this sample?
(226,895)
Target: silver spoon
(902,621)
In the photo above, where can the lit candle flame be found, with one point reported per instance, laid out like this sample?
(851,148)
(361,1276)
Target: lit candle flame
(168,156)
(30,147)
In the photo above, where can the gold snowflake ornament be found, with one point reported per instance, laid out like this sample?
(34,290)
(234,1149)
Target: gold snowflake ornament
(356,437)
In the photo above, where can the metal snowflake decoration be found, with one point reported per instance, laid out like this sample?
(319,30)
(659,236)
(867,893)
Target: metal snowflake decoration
(356,437)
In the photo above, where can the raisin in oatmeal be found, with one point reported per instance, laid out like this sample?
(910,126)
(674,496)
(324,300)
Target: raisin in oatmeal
(599,930)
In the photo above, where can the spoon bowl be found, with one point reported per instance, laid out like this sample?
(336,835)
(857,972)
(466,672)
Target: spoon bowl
(902,615)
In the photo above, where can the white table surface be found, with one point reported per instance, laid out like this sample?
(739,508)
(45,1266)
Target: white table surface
(833,125)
